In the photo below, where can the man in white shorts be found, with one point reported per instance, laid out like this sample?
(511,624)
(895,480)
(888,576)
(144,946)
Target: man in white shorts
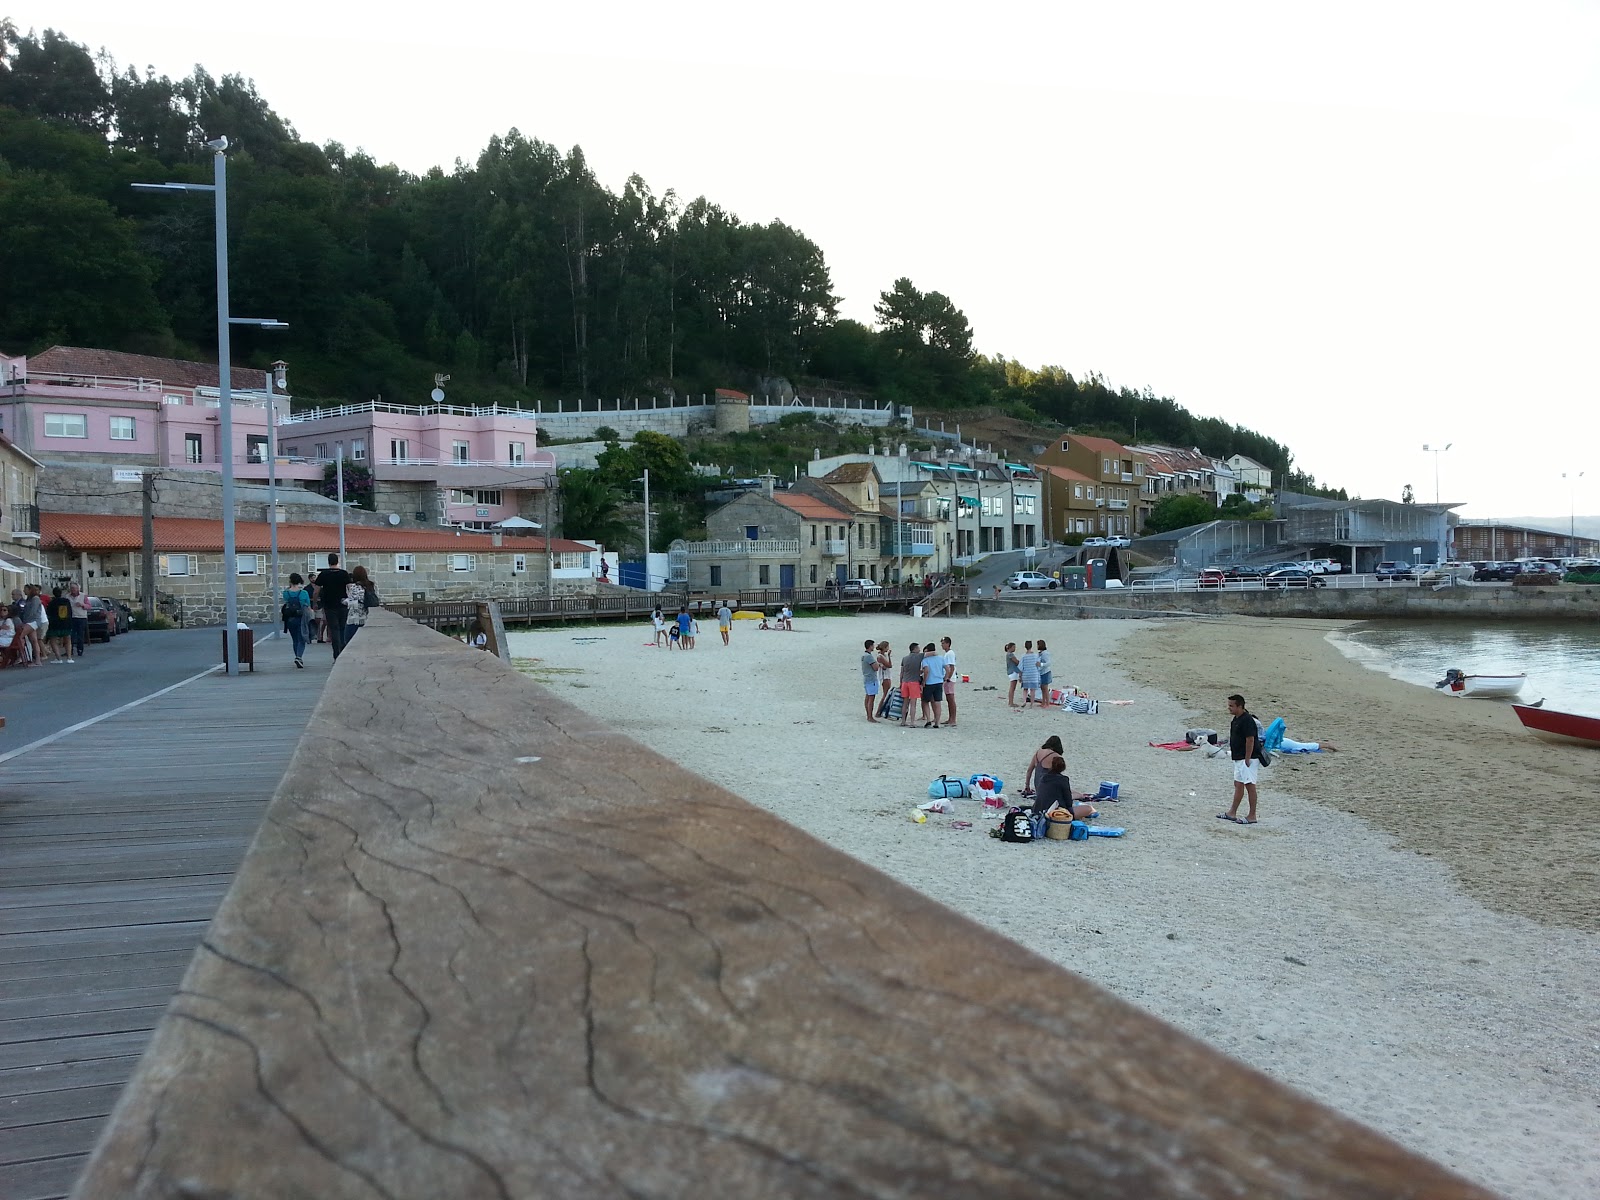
(1242,734)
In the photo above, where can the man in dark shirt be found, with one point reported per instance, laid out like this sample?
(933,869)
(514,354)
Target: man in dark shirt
(330,584)
(1242,735)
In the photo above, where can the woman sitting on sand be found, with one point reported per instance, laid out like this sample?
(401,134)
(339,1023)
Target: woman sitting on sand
(1055,790)
(1013,673)
(1051,748)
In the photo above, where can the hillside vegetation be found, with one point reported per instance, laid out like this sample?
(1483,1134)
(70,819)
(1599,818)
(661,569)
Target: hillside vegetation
(517,273)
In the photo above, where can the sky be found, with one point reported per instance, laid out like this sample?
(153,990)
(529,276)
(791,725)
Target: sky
(1358,228)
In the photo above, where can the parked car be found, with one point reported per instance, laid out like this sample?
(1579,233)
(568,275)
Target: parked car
(1095,541)
(1285,566)
(1292,577)
(1213,577)
(1328,566)
(1495,572)
(1538,568)
(1021,581)
(107,618)
(1240,571)
(1119,541)
(1394,570)
(860,587)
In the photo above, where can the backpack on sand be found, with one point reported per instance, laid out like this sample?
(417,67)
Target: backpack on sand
(1015,826)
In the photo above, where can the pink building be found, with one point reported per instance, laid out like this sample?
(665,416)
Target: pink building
(436,463)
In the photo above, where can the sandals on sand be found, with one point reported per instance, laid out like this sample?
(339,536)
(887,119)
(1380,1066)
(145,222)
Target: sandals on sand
(1236,820)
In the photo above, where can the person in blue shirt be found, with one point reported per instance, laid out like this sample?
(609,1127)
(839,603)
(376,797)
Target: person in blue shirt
(685,623)
(932,686)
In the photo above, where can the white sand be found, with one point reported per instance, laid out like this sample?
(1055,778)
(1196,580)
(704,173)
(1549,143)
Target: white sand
(1309,946)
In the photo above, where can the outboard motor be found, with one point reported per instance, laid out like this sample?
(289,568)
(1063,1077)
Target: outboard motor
(1453,679)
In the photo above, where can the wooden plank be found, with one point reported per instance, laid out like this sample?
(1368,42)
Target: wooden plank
(452,965)
(51,1139)
(120,968)
(82,1000)
(79,1023)
(41,1179)
(66,1104)
(73,1050)
(197,905)
(66,1076)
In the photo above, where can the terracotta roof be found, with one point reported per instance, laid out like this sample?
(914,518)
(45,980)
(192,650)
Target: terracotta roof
(18,450)
(81,360)
(730,394)
(74,531)
(850,473)
(810,507)
(1066,473)
(1098,444)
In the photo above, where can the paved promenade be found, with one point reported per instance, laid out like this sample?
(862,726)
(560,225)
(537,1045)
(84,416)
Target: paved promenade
(117,840)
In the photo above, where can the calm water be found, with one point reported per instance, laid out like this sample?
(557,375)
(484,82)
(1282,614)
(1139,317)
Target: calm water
(1562,661)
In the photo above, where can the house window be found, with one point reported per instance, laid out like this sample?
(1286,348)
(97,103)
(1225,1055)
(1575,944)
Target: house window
(716,575)
(752,532)
(399,450)
(861,535)
(319,450)
(74,425)
(191,448)
(463,562)
(405,563)
(874,532)
(519,564)
(764,575)
(248,564)
(1077,491)
(256,447)
(489,496)
(813,572)
(358,449)
(171,399)
(519,452)
(813,535)
(1065,446)
(573,560)
(122,429)
(459,451)
(175,564)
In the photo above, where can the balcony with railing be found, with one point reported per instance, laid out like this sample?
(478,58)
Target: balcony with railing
(913,543)
(1116,504)
(408,410)
(759,547)
(835,547)
(24,520)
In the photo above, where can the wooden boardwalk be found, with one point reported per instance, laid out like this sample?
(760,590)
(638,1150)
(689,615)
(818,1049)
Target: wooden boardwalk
(116,844)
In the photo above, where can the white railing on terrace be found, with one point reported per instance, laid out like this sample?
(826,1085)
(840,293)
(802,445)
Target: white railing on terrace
(835,547)
(408,410)
(203,397)
(762,546)
(1116,504)
(540,462)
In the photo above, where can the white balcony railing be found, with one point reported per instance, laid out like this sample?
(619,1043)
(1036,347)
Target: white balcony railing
(1127,477)
(763,547)
(1116,504)
(408,410)
(835,547)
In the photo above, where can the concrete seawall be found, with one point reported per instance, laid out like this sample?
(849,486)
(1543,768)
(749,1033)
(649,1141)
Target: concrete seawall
(1566,602)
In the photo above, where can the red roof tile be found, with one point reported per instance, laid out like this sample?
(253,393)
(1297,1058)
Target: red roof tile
(81,360)
(809,507)
(76,531)
(1098,444)
(1066,473)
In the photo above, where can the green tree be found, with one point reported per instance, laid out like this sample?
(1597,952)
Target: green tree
(1177,512)
(358,487)
(51,77)
(591,509)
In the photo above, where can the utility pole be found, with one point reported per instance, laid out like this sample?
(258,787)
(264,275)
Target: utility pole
(147,559)
(339,477)
(549,555)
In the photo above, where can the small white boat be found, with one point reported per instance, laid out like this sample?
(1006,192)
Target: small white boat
(1482,687)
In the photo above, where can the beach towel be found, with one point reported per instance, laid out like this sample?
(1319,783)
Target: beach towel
(1105,831)
(1272,735)
(896,706)
(1081,704)
(1173,746)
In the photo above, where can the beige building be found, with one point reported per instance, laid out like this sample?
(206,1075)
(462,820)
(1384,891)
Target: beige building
(19,518)
(1112,477)
(105,555)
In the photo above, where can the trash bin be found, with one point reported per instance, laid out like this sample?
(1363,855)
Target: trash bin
(246,648)
(916,610)
(1073,577)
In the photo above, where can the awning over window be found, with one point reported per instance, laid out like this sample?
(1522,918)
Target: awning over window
(18,565)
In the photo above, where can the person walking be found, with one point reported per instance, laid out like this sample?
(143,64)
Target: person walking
(80,619)
(359,596)
(331,584)
(58,614)
(932,686)
(296,610)
(949,656)
(724,621)
(910,685)
(1243,733)
(869,677)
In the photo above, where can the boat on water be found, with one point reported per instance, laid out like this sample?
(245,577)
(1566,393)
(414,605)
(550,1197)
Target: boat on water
(1482,687)
(1554,726)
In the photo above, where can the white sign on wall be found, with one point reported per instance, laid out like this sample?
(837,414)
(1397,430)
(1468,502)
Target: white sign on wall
(125,475)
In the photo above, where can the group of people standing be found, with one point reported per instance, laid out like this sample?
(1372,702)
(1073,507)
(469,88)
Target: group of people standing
(342,597)
(927,678)
(37,628)
(1030,669)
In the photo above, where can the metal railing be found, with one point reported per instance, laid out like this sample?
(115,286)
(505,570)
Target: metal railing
(25,519)
(408,410)
(759,546)
(835,547)
(1342,582)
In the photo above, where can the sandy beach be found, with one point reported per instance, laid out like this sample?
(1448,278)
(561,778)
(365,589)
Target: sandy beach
(1409,935)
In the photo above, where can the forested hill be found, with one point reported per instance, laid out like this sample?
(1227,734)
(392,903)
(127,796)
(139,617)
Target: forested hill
(520,275)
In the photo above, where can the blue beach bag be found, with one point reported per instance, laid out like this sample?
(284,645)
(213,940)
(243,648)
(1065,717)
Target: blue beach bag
(943,788)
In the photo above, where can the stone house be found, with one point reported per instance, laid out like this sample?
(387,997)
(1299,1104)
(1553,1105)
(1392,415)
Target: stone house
(104,554)
(19,518)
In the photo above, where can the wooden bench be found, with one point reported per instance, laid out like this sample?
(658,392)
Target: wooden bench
(485,946)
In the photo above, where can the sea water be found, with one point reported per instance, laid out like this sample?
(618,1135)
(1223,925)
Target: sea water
(1561,660)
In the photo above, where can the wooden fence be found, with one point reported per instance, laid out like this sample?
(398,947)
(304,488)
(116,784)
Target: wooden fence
(485,946)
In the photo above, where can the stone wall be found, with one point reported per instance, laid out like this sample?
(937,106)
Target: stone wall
(1565,602)
(681,420)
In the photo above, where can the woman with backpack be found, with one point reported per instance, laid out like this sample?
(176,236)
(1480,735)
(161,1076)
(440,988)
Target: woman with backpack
(359,596)
(296,603)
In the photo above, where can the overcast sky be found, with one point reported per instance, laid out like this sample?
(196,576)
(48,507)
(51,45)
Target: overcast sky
(1357,228)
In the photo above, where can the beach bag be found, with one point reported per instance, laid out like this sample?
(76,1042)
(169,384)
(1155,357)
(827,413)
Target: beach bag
(1081,704)
(944,787)
(987,783)
(1016,826)
(292,609)
(896,706)
(1263,756)
(1040,824)
(355,605)
(1078,832)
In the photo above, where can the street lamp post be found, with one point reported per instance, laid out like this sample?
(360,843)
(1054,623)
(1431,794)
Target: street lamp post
(1572,512)
(1436,451)
(646,481)
(230,559)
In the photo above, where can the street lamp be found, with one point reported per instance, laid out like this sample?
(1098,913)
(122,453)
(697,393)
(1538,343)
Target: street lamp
(646,481)
(1572,513)
(230,558)
(1436,451)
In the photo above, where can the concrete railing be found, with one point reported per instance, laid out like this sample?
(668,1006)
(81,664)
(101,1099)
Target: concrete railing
(1566,602)
(485,946)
